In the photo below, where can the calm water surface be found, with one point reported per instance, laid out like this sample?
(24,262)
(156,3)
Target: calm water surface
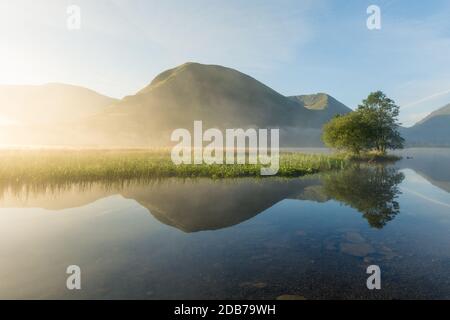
(244,238)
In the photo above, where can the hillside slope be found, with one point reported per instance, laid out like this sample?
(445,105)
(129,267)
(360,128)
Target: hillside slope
(221,97)
(50,103)
(433,130)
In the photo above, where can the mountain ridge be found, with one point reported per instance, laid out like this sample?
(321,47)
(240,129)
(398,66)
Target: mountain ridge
(433,130)
(219,96)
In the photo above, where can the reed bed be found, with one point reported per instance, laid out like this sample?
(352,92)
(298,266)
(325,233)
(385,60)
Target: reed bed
(75,166)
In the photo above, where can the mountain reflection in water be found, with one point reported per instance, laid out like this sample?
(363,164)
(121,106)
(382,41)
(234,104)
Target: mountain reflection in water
(193,205)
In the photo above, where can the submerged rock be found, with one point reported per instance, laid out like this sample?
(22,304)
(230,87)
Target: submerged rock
(357,249)
(354,237)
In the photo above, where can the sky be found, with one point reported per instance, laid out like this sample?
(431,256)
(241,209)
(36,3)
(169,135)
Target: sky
(295,47)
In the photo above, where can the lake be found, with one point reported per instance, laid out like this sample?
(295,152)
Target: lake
(310,237)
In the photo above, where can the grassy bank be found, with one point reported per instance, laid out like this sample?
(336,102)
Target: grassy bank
(372,157)
(34,166)
(69,166)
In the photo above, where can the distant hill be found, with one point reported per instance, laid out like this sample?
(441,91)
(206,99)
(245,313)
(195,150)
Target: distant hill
(49,103)
(221,97)
(325,107)
(433,130)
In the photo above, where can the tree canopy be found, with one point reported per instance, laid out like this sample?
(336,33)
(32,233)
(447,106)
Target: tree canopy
(372,126)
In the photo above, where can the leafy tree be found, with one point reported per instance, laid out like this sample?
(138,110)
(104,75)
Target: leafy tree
(347,132)
(380,115)
(373,125)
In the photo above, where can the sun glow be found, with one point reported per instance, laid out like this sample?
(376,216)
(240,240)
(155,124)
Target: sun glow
(5,121)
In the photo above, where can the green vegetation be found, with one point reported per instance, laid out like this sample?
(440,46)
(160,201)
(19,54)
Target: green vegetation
(346,133)
(57,166)
(372,127)
(372,157)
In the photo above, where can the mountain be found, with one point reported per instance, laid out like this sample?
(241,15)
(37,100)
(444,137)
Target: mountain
(324,106)
(221,97)
(50,103)
(433,130)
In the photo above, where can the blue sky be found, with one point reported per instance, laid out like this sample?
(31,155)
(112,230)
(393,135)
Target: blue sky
(295,47)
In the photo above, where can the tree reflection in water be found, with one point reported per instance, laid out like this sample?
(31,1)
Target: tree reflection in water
(372,190)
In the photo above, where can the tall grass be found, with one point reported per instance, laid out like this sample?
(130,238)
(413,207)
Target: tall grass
(62,166)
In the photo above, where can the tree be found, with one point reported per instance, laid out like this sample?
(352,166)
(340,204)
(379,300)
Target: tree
(347,132)
(373,125)
(381,116)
